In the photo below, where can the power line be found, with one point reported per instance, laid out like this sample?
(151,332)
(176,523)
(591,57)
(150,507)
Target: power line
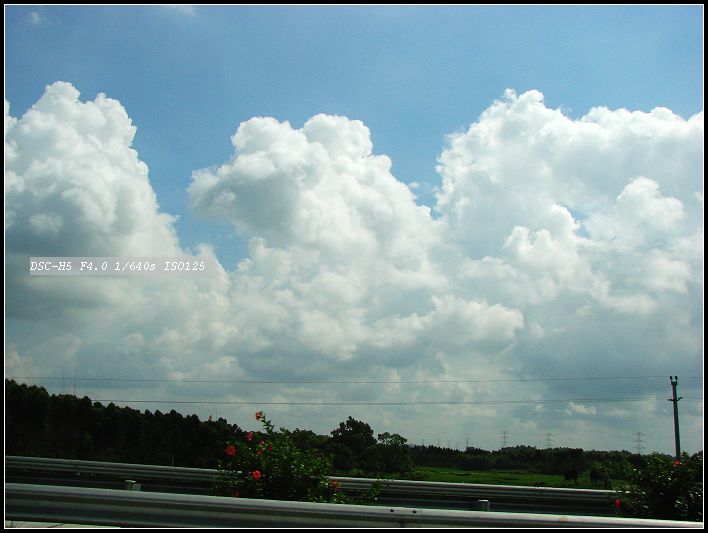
(337,382)
(412,402)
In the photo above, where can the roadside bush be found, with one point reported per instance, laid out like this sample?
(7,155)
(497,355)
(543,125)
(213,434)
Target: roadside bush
(268,464)
(666,489)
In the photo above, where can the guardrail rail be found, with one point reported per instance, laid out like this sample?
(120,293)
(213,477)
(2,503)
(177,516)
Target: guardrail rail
(91,506)
(395,493)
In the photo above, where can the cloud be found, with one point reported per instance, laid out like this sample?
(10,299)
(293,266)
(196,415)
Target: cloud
(641,214)
(74,186)
(520,158)
(73,180)
(666,274)
(459,321)
(35,19)
(318,187)
(580,409)
(556,248)
(183,9)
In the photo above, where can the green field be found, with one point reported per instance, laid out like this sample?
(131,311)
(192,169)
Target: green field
(500,477)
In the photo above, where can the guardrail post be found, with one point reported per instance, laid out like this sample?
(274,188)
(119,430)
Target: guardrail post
(132,485)
(480,505)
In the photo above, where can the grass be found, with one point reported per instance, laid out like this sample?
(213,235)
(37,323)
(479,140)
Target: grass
(500,477)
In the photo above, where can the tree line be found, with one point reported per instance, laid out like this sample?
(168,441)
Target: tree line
(65,426)
(601,466)
(40,424)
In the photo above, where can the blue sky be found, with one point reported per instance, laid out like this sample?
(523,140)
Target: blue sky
(559,149)
(189,76)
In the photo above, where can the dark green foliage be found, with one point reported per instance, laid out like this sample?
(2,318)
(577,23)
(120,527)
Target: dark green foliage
(355,435)
(666,489)
(271,465)
(570,474)
(26,419)
(526,458)
(342,457)
(599,476)
(354,447)
(64,426)
(391,455)
(600,466)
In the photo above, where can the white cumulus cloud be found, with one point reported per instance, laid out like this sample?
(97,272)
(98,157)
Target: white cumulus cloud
(556,247)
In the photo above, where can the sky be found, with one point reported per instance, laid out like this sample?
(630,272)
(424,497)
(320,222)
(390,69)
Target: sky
(469,225)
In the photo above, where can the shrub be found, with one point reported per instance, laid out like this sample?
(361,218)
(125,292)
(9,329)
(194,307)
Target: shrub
(599,476)
(268,464)
(666,489)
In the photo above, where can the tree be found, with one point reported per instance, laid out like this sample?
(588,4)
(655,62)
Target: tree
(571,474)
(342,457)
(355,435)
(64,426)
(599,476)
(26,419)
(390,455)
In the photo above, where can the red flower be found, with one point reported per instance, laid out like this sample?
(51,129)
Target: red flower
(334,485)
(259,415)
(231,450)
(249,436)
(256,475)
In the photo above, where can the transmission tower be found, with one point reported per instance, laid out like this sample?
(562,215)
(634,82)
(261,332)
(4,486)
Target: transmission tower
(639,442)
(548,439)
(504,438)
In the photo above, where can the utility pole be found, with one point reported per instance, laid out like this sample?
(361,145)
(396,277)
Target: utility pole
(639,441)
(677,438)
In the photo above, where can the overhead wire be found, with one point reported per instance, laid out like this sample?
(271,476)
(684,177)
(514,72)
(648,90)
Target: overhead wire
(336,382)
(413,402)
(362,382)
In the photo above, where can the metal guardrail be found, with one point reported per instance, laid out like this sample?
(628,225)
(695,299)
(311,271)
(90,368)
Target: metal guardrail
(78,505)
(393,492)
(151,478)
(119,470)
(505,495)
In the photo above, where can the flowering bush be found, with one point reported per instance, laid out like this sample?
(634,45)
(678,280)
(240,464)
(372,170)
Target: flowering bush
(666,489)
(269,465)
